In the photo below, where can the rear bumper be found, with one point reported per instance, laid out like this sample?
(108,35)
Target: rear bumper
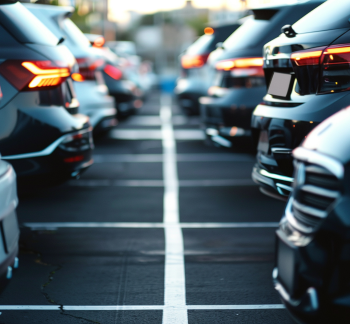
(94,101)
(188,91)
(228,117)
(68,156)
(98,118)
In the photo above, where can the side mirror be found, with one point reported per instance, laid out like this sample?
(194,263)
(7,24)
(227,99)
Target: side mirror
(220,45)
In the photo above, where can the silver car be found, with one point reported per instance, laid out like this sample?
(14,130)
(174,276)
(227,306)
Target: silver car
(89,84)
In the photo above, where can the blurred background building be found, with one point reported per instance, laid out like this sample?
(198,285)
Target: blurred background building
(160,36)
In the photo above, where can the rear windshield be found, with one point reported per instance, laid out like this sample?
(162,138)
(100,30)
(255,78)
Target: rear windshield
(247,35)
(201,45)
(24,26)
(75,34)
(332,14)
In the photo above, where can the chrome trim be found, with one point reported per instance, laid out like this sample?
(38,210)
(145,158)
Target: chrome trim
(320,191)
(275,176)
(211,131)
(284,187)
(9,272)
(47,151)
(309,210)
(16,263)
(331,164)
(313,298)
(318,170)
(281,186)
(281,150)
(290,217)
(311,293)
(222,141)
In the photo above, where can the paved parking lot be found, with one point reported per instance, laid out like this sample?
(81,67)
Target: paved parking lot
(161,229)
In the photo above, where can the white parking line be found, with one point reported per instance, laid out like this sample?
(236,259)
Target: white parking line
(148,158)
(154,121)
(142,134)
(161,183)
(174,281)
(57,225)
(133,308)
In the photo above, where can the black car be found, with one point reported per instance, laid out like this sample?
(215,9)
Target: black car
(194,80)
(312,271)
(43,135)
(240,84)
(307,70)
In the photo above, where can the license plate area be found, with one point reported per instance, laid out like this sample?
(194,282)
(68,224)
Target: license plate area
(281,85)
(287,263)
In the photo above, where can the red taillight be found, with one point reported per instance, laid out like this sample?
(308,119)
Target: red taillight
(99,42)
(308,57)
(113,72)
(33,75)
(88,66)
(323,69)
(335,69)
(78,77)
(73,159)
(247,66)
(193,61)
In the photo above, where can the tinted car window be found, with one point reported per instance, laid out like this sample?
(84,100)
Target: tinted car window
(6,38)
(332,14)
(248,35)
(74,33)
(201,45)
(24,26)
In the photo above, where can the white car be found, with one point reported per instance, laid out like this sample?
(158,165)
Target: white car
(8,219)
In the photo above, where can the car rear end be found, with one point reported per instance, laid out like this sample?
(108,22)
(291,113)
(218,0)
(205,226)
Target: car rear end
(239,84)
(45,138)
(307,71)
(312,242)
(120,86)
(195,76)
(89,83)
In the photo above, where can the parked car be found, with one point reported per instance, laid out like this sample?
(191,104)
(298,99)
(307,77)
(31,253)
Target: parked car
(89,83)
(313,239)
(240,84)
(307,70)
(195,77)
(8,220)
(127,95)
(46,140)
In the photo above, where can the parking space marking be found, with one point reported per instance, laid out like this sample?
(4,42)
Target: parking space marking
(57,225)
(140,308)
(142,134)
(150,158)
(174,281)
(161,183)
(156,121)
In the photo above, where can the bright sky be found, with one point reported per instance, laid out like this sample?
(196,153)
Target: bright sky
(118,9)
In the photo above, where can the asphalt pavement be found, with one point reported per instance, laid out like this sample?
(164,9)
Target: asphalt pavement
(161,229)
